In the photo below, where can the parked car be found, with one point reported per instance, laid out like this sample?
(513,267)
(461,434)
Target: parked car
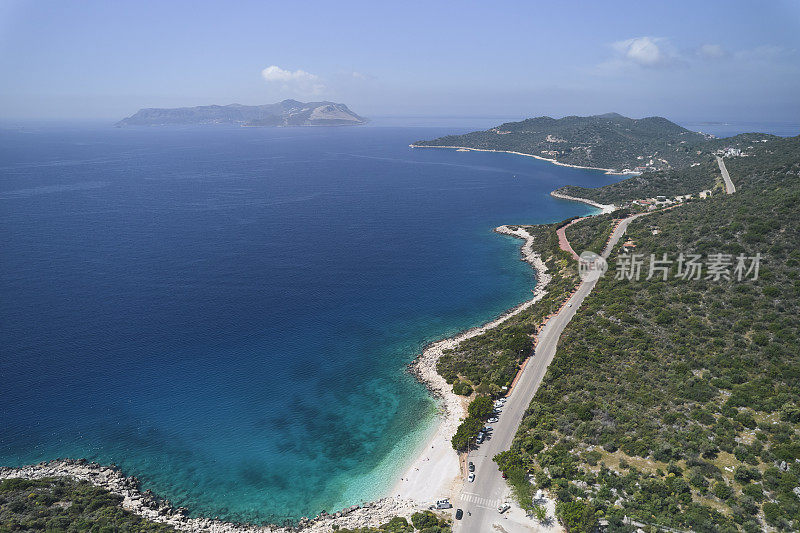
(493,420)
(459,514)
(471,477)
(471,466)
(444,504)
(503,508)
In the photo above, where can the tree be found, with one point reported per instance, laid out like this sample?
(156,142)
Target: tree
(540,513)
(462,388)
(507,460)
(577,516)
(424,520)
(722,490)
(772,513)
(481,407)
(398,524)
(466,433)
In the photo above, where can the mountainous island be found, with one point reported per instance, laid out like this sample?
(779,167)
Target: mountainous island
(286,113)
(609,141)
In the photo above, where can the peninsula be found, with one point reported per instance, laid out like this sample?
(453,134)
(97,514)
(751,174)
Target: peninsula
(610,142)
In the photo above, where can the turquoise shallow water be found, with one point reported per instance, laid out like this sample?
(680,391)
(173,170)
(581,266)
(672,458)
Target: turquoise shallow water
(228,313)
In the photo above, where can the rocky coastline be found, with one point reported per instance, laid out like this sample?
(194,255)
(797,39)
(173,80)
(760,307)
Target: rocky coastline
(149,506)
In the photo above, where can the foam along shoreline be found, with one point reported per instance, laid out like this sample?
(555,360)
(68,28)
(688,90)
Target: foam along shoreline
(610,171)
(145,504)
(605,208)
(435,472)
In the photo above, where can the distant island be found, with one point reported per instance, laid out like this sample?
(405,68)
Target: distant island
(286,113)
(610,141)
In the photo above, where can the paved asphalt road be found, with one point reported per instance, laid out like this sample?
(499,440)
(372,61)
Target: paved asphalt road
(730,188)
(480,499)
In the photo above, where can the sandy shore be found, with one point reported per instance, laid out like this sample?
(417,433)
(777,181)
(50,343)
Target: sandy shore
(606,208)
(435,473)
(548,159)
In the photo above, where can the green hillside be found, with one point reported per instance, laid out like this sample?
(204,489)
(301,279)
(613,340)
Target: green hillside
(608,141)
(677,402)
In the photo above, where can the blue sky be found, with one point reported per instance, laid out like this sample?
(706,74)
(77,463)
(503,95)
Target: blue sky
(694,60)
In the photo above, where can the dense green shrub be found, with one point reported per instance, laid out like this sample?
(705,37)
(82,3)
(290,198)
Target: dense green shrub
(481,407)
(425,519)
(30,505)
(576,516)
(462,387)
(466,433)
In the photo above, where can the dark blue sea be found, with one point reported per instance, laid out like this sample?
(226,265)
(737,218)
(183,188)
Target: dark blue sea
(228,313)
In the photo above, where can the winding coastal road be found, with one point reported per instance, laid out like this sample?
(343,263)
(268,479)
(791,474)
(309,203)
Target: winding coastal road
(730,188)
(563,242)
(480,499)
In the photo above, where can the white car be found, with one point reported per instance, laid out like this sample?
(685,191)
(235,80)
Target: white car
(471,477)
(503,508)
(493,420)
(444,504)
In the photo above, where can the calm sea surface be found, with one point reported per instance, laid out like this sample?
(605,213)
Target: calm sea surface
(227,313)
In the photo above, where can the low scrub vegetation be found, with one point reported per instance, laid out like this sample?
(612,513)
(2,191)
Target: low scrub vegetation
(677,402)
(62,504)
(426,521)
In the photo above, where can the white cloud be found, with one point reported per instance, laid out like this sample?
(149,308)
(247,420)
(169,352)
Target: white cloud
(275,73)
(711,51)
(295,80)
(644,51)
